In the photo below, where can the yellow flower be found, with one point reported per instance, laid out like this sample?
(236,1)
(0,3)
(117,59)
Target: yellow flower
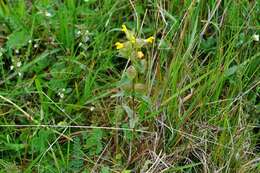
(150,40)
(132,39)
(119,45)
(124,29)
(140,54)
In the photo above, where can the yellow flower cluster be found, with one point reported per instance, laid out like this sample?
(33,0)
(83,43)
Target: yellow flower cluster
(130,36)
(131,50)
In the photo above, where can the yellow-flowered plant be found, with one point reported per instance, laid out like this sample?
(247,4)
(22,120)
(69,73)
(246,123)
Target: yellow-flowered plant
(133,78)
(131,49)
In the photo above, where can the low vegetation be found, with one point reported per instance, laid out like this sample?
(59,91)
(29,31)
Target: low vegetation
(129,86)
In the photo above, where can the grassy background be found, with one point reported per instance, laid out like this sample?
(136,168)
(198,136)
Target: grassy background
(199,111)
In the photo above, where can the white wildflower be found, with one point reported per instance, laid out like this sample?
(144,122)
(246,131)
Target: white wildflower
(255,37)
(36,46)
(19,64)
(47,14)
(86,38)
(61,95)
(92,108)
(79,33)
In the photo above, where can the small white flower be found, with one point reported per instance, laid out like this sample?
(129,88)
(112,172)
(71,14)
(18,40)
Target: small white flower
(80,44)
(16,51)
(86,39)
(79,33)
(30,41)
(61,95)
(255,37)
(11,67)
(63,90)
(92,108)
(19,74)
(19,64)
(47,14)
(36,46)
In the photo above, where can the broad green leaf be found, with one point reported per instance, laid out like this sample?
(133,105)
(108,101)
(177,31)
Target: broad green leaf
(40,142)
(18,39)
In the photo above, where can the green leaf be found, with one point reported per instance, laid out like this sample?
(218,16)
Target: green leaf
(131,72)
(58,70)
(18,39)
(128,135)
(15,147)
(56,84)
(133,120)
(41,65)
(105,169)
(90,1)
(232,70)
(76,162)
(140,9)
(40,142)
(94,142)
(208,44)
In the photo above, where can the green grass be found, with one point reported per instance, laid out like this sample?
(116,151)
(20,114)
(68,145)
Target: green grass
(68,102)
